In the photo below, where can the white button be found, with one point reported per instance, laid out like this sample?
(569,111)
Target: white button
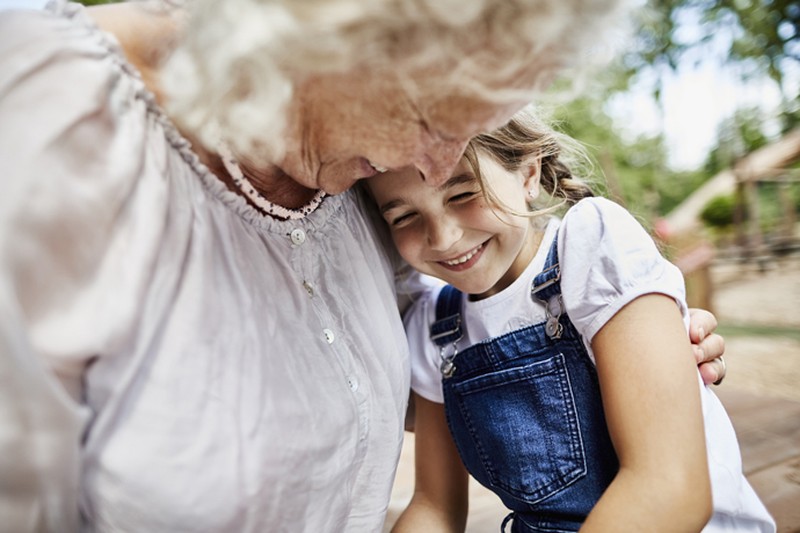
(328,335)
(298,236)
(353,383)
(309,288)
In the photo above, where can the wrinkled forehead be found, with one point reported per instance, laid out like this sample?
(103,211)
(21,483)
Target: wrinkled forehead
(460,104)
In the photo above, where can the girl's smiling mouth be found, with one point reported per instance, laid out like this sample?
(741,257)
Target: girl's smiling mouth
(465,261)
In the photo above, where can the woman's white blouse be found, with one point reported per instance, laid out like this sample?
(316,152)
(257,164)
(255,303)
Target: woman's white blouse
(170,360)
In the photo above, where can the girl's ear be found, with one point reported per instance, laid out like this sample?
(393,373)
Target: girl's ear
(531,172)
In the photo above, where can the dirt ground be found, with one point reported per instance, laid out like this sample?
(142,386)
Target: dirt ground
(766,361)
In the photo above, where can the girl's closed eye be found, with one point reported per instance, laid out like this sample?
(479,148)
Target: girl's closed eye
(463,197)
(401,219)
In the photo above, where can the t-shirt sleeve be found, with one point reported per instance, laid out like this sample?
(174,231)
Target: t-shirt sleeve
(426,379)
(608,260)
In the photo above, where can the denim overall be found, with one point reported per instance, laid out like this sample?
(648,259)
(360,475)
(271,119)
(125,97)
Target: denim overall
(525,412)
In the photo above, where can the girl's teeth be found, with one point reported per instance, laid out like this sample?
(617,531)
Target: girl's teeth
(464,258)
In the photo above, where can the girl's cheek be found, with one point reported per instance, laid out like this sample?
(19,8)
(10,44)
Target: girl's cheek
(406,246)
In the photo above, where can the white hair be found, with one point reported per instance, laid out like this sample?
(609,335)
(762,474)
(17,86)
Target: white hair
(239,59)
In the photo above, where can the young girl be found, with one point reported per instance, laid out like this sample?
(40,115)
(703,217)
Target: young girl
(533,356)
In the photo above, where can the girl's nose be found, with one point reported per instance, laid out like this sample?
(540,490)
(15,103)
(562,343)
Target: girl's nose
(443,233)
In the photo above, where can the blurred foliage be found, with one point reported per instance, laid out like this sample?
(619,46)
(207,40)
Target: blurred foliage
(758,39)
(718,212)
(635,170)
(761,37)
(737,135)
(769,205)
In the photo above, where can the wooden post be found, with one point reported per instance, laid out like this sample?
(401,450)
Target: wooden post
(789,218)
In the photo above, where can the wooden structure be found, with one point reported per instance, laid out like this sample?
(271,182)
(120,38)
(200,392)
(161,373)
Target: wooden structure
(682,228)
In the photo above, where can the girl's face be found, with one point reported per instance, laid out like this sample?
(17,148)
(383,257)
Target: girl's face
(453,233)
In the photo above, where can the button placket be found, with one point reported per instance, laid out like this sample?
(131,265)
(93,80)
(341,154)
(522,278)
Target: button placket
(309,287)
(297,236)
(307,267)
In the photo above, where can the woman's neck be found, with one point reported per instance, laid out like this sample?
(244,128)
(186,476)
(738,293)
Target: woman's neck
(146,36)
(271,182)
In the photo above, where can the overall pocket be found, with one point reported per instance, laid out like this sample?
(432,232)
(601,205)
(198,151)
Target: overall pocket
(523,424)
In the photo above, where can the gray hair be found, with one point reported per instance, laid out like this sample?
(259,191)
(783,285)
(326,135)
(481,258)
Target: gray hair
(239,60)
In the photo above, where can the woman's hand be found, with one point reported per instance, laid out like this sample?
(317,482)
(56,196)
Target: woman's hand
(708,347)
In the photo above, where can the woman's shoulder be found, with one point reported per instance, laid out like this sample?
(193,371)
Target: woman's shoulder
(61,26)
(78,125)
(57,58)
(63,77)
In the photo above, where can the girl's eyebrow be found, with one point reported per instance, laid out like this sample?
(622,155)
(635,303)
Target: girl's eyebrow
(459,179)
(392,204)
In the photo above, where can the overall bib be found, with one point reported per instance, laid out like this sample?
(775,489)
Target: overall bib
(525,412)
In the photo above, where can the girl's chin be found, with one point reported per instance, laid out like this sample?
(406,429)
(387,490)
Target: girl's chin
(478,292)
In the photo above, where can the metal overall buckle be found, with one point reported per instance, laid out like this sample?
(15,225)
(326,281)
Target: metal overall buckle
(553,306)
(553,310)
(447,366)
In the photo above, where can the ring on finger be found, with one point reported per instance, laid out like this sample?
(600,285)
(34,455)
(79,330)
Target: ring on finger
(723,371)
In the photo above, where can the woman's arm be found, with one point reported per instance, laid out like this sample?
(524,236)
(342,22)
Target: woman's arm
(441,498)
(651,398)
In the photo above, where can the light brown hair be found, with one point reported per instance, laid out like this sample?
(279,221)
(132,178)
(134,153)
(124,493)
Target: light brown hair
(524,140)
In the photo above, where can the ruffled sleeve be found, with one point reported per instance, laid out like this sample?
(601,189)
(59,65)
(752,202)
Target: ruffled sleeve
(72,138)
(608,260)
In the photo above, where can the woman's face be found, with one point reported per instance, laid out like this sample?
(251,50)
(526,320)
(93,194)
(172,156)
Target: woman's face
(347,127)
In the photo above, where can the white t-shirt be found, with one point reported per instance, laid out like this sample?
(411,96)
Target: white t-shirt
(607,260)
(170,360)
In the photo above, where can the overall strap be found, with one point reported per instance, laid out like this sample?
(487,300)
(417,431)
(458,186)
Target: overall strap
(446,329)
(546,287)
(547,283)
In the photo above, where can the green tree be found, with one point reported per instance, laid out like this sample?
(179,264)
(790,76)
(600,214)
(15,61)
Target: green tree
(718,212)
(757,37)
(635,168)
(754,38)
(737,136)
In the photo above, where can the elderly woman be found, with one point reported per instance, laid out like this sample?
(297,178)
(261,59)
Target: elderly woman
(199,324)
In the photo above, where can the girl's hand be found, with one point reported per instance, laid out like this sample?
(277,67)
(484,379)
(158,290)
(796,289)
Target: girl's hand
(708,347)
(441,490)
